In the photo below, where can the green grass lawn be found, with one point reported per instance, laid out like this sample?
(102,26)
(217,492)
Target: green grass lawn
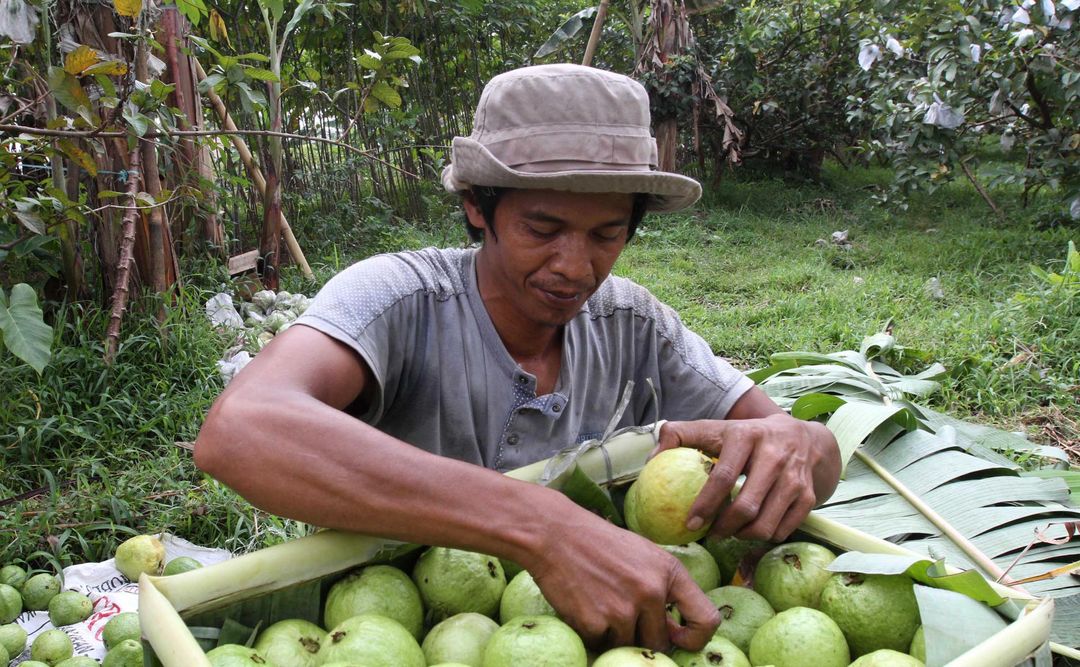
(94,452)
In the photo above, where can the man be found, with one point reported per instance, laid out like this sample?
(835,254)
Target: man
(418,376)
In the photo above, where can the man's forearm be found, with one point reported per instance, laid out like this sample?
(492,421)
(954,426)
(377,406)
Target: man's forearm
(311,462)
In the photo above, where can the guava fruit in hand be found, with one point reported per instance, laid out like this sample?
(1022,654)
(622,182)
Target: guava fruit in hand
(658,503)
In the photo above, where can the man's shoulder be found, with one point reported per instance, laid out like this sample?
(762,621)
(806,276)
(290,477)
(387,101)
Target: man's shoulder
(369,288)
(619,294)
(440,271)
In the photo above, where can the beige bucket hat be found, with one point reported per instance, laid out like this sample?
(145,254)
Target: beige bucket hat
(565,127)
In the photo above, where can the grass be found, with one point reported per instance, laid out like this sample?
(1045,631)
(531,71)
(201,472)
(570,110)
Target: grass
(750,275)
(93,450)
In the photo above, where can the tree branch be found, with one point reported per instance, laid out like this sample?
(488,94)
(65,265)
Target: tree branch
(123,267)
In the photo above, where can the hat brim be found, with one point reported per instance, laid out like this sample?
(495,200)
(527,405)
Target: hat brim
(473,164)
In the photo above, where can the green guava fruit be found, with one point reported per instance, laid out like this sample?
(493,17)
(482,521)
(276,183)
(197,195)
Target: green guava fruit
(719,651)
(128,653)
(918,648)
(698,563)
(535,641)
(120,627)
(376,589)
(51,647)
(235,655)
(11,603)
(13,576)
(13,639)
(887,658)
(460,638)
(633,656)
(742,612)
(522,597)
(729,552)
(181,564)
(4,657)
(33,663)
(139,554)
(874,611)
(438,664)
(373,641)
(798,635)
(78,661)
(69,607)
(666,489)
(630,509)
(293,642)
(452,581)
(38,590)
(793,574)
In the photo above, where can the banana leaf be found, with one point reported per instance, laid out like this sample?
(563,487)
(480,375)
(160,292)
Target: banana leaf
(959,469)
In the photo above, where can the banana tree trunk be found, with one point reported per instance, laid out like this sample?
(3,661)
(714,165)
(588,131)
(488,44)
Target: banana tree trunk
(667,139)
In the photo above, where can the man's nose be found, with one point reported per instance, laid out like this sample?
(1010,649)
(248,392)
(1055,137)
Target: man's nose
(572,260)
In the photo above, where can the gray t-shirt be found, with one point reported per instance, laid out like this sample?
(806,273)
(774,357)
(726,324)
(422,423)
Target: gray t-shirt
(447,384)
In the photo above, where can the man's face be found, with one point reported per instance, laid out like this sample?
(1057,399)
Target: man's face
(550,252)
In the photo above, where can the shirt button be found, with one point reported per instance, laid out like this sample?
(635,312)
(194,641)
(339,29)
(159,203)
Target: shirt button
(556,408)
(522,379)
(512,439)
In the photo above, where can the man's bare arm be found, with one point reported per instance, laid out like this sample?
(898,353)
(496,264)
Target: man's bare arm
(278,436)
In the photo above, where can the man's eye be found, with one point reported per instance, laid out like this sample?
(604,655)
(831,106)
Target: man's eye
(542,232)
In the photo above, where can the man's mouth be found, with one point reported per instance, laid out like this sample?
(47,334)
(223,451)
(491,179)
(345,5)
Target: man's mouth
(561,295)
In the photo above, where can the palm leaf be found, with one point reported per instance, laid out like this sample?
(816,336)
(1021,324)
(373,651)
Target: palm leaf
(958,470)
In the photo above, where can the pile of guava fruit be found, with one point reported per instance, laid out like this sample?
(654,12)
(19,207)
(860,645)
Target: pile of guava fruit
(21,591)
(450,608)
(778,605)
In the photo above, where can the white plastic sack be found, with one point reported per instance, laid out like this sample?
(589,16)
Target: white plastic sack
(18,21)
(943,115)
(111,593)
(230,366)
(221,312)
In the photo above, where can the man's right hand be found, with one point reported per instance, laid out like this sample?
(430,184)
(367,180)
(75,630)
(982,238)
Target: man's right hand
(613,587)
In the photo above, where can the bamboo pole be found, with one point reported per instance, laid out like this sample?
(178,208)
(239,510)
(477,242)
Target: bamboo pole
(980,559)
(594,36)
(253,170)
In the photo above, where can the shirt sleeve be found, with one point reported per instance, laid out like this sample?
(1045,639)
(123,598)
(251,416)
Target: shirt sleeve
(691,382)
(697,383)
(366,307)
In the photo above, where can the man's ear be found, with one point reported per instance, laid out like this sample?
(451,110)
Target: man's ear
(472,211)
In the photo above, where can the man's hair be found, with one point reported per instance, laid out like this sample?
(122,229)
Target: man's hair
(487,200)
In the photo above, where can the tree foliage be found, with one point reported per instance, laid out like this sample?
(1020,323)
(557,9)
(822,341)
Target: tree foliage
(925,87)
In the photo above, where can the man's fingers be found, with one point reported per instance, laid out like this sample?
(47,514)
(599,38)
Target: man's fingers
(653,629)
(717,490)
(751,500)
(706,435)
(700,616)
(777,504)
(795,515)
(594,635)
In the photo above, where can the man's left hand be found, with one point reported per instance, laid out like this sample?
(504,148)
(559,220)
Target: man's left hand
(790,466)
